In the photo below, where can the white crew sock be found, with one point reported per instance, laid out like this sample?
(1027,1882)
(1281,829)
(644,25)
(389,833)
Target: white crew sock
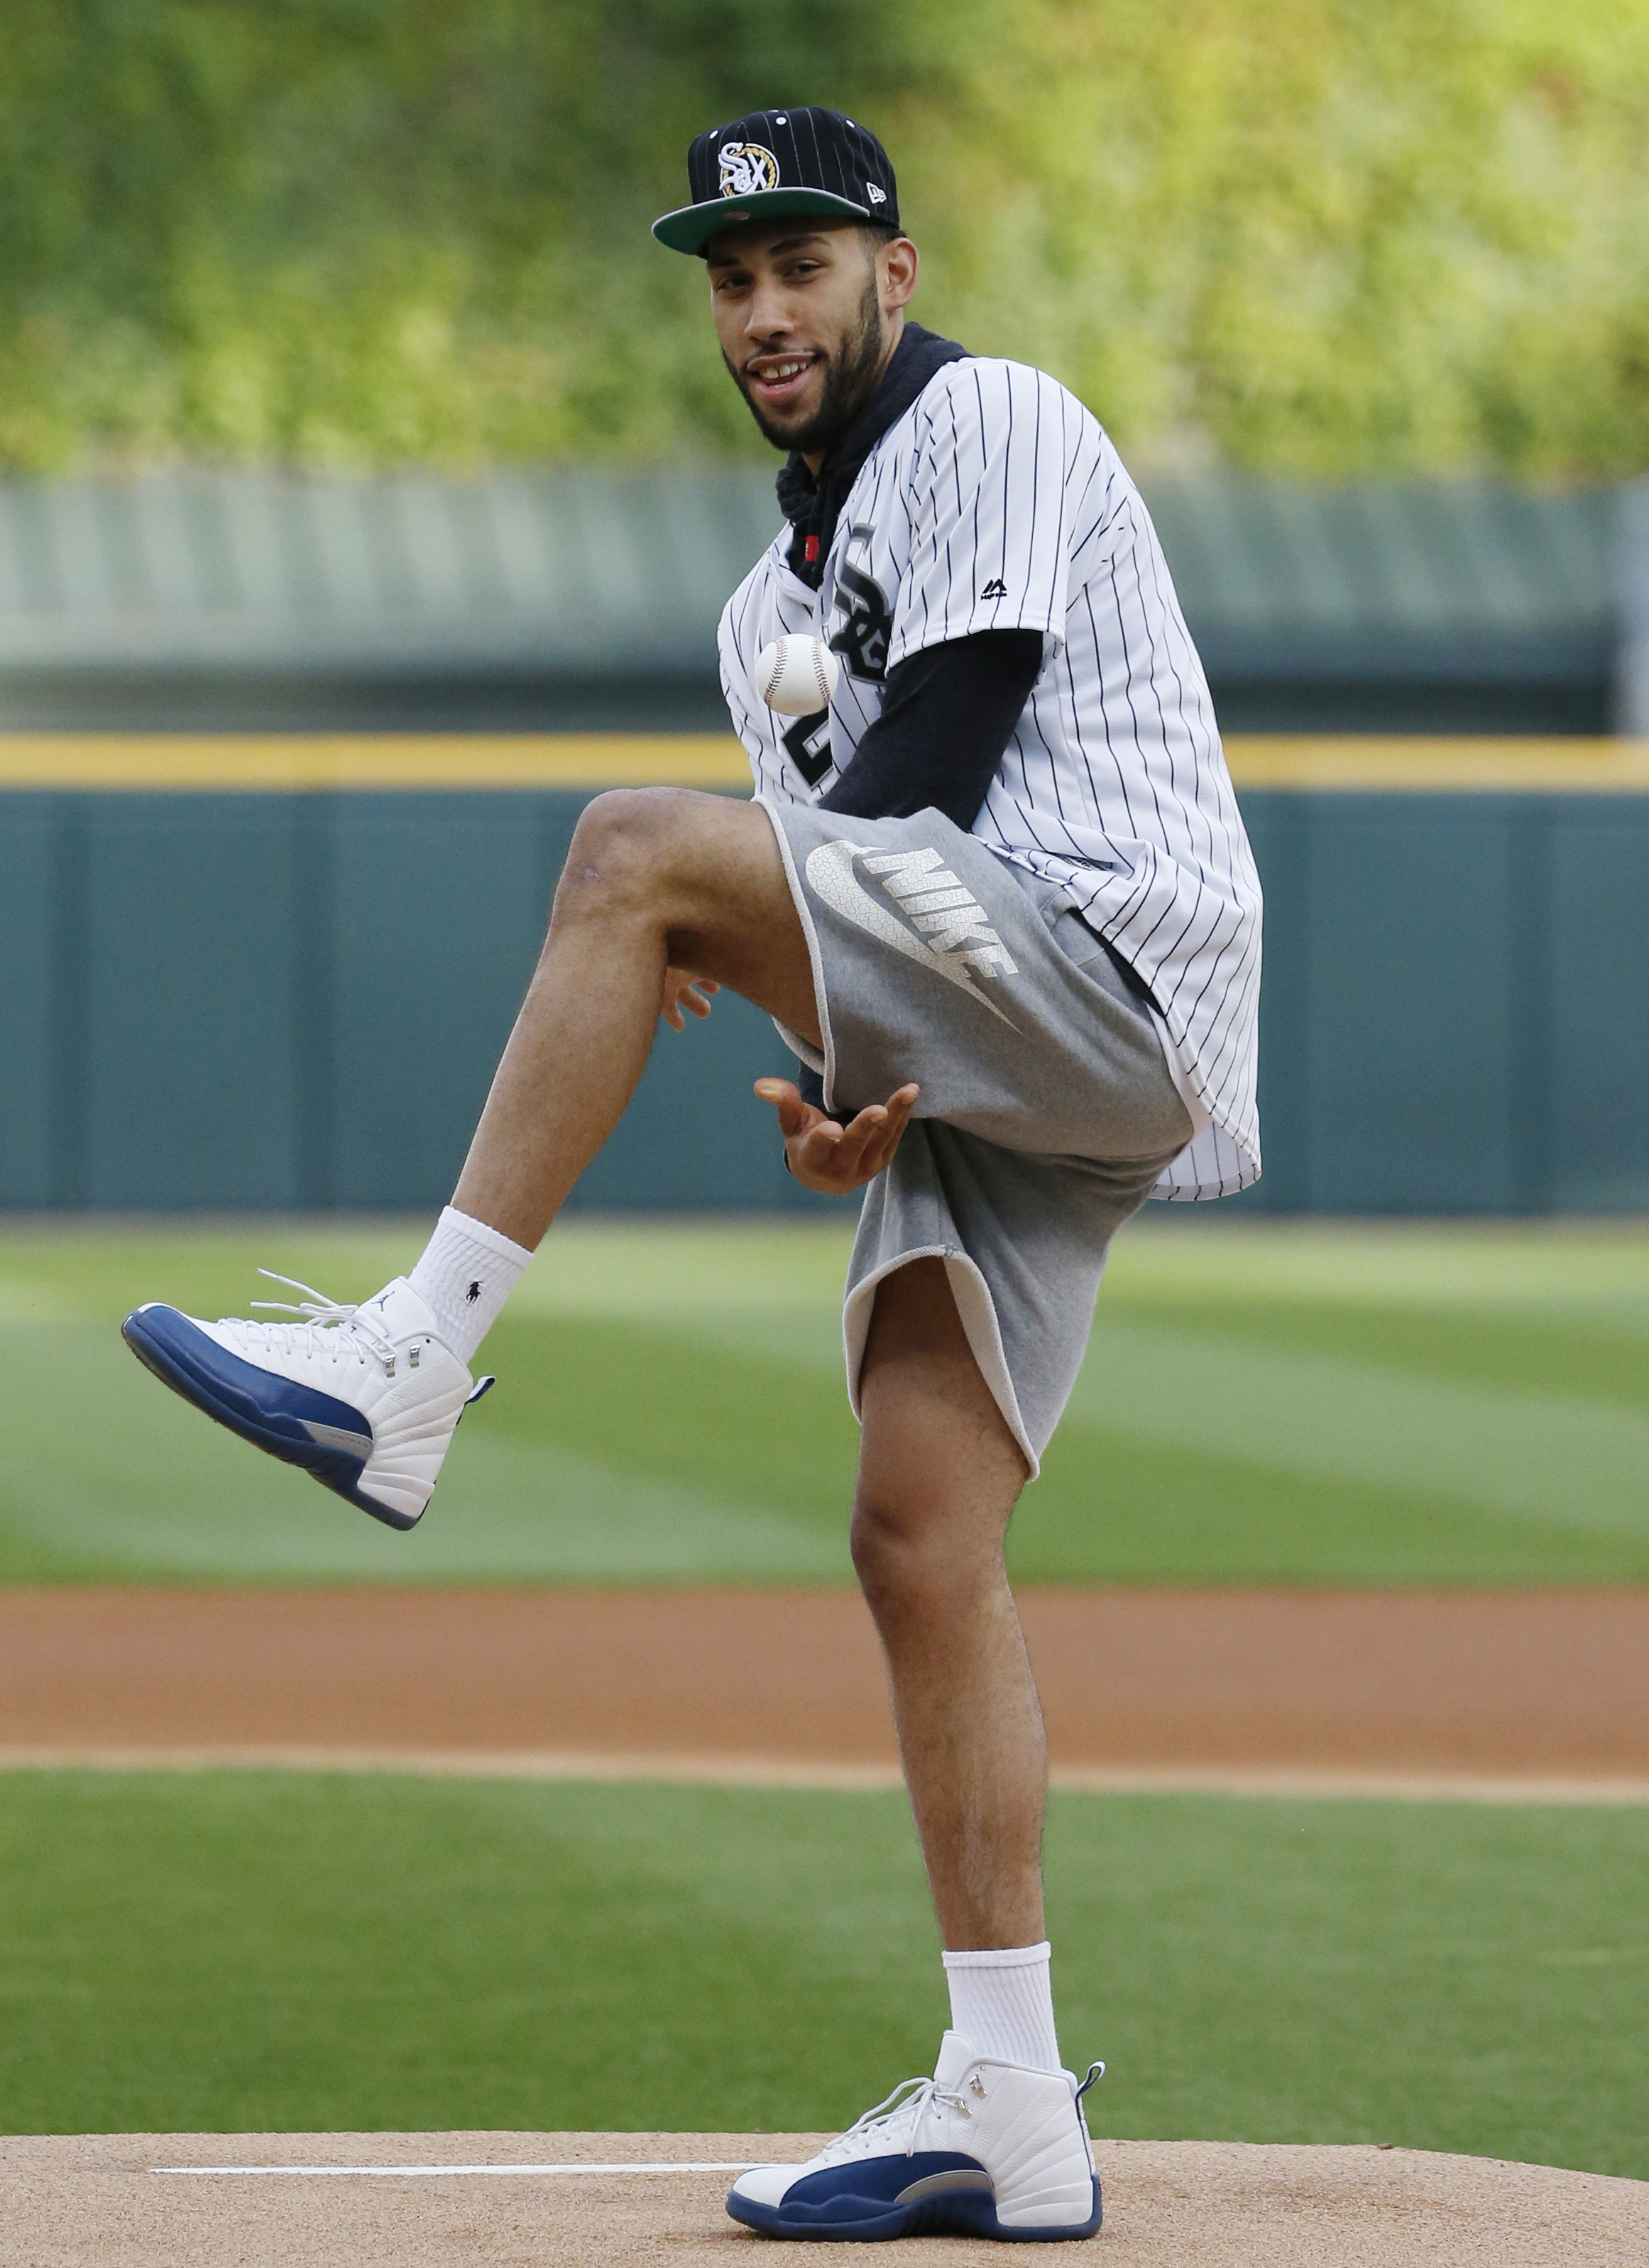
(1003,2004)
(467,1273)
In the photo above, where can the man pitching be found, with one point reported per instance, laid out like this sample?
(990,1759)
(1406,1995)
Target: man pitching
(998,899)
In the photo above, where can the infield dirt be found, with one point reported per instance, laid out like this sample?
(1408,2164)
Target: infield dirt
(94,2201)
(1501,1691)
(1492,1693)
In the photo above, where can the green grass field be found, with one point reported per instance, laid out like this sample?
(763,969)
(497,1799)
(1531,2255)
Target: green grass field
(1261,1401)
(249,1951)
(1295,1403)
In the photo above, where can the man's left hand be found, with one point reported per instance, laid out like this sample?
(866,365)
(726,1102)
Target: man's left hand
(833,1159)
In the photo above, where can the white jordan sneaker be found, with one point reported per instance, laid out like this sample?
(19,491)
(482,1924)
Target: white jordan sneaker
(364,1399)
(980,2149)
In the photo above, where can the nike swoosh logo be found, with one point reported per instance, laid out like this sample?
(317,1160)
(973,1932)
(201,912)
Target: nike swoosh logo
(830,871)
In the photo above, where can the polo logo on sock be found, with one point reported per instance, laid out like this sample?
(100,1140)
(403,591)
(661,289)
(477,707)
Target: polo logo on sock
(473,1295)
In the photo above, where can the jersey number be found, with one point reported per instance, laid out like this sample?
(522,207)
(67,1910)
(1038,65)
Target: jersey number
(807,745)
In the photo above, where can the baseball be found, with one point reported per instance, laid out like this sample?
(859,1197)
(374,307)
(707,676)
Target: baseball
(797,675)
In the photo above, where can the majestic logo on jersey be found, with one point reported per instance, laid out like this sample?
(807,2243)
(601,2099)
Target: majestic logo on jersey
(995,589)
(865,620)
(807,745)
(955,940)
(746,169)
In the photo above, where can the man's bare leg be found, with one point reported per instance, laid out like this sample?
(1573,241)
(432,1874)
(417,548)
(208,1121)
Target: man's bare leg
(655,878)
(938,1476)
(661,888)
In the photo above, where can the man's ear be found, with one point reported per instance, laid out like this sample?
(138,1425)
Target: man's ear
(899,263)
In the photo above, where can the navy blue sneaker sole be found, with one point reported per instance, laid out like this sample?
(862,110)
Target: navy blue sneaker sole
(267,1410)
(963,2213)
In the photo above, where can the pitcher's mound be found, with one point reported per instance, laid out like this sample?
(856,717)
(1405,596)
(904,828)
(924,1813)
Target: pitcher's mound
(539,2200)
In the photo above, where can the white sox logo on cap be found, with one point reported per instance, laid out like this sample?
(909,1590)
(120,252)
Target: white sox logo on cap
(746,169)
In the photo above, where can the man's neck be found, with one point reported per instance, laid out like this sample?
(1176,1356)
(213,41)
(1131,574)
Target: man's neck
(814,458)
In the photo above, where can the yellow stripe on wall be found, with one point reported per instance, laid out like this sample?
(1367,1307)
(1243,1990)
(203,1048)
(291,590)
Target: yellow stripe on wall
(318,761)
(266,760)
(1352,763)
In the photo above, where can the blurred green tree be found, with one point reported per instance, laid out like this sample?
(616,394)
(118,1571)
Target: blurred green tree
(1322,236)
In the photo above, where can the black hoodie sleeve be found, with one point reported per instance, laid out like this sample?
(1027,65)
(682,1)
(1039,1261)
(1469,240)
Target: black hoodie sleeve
(946,716)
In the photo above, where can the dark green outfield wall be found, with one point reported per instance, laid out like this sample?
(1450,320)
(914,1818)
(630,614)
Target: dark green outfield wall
(1456,1011)
(217,1001)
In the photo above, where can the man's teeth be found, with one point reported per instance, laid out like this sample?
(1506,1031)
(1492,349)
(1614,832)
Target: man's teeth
(782,370)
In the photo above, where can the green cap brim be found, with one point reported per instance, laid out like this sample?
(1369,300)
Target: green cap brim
(691,228)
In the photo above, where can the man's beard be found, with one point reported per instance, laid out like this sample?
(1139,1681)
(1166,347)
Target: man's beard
(848,376)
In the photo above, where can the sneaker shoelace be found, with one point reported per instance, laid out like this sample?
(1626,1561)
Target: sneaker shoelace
(329,1328)
(907,2102)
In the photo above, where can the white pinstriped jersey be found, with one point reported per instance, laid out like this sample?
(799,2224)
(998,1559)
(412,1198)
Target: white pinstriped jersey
(997,502)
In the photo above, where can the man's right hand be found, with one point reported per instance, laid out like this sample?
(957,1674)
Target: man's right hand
(835,1160)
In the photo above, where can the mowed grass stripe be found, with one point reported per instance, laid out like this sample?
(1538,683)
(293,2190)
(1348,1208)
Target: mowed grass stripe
(1261,1401)
(1519,1452)
(248,1951)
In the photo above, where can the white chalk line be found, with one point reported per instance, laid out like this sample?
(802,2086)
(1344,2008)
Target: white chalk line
(426,2173)
(1366,1784)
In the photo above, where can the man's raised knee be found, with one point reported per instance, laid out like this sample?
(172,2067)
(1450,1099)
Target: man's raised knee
(619,847)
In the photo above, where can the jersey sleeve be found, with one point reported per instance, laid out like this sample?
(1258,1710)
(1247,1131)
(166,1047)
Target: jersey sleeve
(989,547)
(743,629)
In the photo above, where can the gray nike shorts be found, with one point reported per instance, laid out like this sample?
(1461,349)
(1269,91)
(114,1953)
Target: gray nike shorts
(1047,1109)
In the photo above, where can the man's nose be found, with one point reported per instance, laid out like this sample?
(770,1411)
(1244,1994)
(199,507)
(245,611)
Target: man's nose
(768,313)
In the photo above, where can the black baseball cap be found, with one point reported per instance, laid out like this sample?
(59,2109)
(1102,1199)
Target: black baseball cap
(777,162)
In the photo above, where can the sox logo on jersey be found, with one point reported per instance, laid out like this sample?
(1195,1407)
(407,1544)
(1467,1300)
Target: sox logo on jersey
(863,619)
(997,502)
(861,624)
